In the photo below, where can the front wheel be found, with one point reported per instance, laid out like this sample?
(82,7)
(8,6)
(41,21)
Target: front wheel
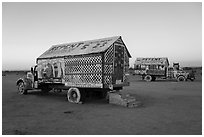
(21,88)
(181,78)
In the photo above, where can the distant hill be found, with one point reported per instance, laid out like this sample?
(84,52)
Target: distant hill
(16,72)
(192,68)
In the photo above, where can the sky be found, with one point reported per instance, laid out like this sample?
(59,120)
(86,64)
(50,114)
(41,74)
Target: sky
(172,30)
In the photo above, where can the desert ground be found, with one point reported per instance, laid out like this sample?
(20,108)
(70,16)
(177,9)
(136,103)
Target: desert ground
(169,108)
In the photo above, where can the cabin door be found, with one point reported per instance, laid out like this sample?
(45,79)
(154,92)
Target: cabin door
(118,64)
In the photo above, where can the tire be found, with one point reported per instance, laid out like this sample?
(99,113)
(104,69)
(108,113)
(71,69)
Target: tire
(148,78)
(21,88)
(74,95)
(192,79)
(181,79)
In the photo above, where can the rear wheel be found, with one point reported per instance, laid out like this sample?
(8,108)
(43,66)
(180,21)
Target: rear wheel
(192,79)
(181,78)
(148,78)
(74,95)
(21,88)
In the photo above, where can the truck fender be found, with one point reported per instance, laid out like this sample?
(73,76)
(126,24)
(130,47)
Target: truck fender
(26,81)
(185,76)
(19,80)
(181,76)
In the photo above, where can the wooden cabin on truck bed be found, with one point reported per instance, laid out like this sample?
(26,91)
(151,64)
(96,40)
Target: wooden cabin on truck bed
(94,64)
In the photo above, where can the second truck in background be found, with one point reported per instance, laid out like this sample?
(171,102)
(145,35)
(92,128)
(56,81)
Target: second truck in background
(152,68)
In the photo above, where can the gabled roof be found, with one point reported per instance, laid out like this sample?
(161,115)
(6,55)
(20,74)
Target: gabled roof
(80,48)
(152,61)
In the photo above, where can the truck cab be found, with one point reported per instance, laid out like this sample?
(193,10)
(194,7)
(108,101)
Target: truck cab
(28,81)
(152,68)
(182,75)
(99,65)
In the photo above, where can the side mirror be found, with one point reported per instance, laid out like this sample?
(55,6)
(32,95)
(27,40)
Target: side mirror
(31,70)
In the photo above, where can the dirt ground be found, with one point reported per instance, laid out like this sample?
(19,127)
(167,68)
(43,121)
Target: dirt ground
(169,108)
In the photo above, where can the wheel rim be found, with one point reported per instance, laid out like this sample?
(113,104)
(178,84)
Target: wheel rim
(21,88)
(73,96)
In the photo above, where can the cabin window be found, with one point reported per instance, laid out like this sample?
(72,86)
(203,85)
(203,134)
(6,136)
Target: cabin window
(152,66)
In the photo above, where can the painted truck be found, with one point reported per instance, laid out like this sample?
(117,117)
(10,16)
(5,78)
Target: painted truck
(152,68)
(96,65)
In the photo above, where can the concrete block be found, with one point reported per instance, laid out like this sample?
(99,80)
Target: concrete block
(123,100)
